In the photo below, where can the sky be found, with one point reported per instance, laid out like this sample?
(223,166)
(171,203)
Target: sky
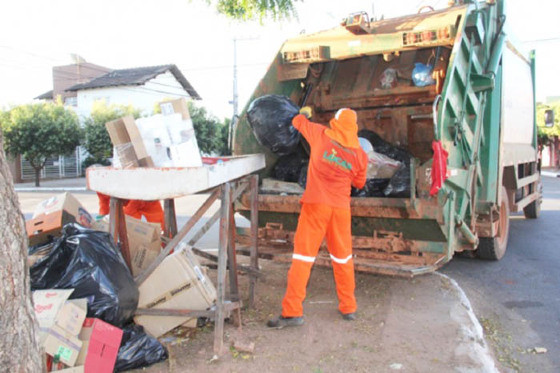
(36,35)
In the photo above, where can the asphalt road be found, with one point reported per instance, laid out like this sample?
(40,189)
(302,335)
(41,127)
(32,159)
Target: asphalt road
(517,299)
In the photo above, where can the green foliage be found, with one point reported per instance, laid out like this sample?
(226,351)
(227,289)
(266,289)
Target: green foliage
(96,137)
(545,131)
(545,134)
(224,138)
(255,9)
(209,131)
(40,131)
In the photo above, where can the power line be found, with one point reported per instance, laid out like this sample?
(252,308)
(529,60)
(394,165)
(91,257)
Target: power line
(541,40)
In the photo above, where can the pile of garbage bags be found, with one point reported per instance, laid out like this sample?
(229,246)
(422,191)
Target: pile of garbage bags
(271,117)
(88,262)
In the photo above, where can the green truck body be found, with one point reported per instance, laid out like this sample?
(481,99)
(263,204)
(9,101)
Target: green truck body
(481,107)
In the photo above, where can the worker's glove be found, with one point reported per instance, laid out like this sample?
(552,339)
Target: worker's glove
(307,111)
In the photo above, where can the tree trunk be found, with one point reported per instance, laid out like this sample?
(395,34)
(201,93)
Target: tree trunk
(19,344)
(37,176)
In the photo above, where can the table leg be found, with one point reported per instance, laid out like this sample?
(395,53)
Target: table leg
(170,218)
(222,263)
(254,250)
(117,229)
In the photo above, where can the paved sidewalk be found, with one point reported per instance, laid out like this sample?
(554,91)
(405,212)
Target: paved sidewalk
(551,172)
(69,184)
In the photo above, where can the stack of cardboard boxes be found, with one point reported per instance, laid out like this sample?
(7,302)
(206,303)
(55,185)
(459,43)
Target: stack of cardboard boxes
(72,342)
(179,282)
(52,214)
(162,140)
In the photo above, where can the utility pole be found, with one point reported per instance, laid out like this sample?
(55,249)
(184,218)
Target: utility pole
(235,101)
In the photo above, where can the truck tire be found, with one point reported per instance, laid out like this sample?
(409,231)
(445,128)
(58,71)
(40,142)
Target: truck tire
(533,209)
(494,248)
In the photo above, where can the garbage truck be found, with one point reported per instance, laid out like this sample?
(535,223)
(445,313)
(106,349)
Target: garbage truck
(475,105)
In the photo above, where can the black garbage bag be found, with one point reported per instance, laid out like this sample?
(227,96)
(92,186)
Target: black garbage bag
(302,180)
(138,349)
(384,147)
(399,185)
(372,188)
(288,167)
(270,118)
(89,262)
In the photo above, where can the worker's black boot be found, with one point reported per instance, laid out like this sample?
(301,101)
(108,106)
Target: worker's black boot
(349,316)
(282,322)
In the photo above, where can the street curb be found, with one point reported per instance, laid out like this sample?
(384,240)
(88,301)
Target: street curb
(473,333)
(51,189)
(549,174)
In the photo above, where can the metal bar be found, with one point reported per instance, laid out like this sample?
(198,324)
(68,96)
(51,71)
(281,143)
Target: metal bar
(525,201)
(184,312)
(113,218)
(214,258)
(170,217)
(467,233)
(202,231)
(254,248)
(222,262)
(179,237)
(528,180)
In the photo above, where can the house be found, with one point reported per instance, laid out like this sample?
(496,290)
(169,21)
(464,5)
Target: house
(82,84)
(67,76)
(140,87)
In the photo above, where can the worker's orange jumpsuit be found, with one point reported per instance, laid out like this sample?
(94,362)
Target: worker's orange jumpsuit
(151,210)
(325,212)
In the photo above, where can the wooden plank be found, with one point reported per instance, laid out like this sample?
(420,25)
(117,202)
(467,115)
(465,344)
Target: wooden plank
(117,228)
(254,248)
(210,222)
(170,217)
(214,258)
(179,237)
(150,183)
(232,259)
(222,262)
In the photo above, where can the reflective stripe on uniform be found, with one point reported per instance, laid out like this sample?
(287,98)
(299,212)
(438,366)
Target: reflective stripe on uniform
(309,259)
(341,261)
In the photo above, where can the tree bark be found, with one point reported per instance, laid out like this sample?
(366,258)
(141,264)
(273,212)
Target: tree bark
(37,176)
(19,344)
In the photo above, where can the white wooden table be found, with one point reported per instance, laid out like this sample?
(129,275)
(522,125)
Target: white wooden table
(227,178)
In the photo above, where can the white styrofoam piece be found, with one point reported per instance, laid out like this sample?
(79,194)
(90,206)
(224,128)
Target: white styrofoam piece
(149,184)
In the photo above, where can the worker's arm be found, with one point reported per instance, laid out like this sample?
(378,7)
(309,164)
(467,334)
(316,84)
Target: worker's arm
(308,129)
(360,178)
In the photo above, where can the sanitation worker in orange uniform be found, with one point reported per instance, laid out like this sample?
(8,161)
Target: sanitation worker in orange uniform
(151,210)
(336,163)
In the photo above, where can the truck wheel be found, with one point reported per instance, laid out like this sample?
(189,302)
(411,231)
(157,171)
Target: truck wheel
(533,209)
(494,248)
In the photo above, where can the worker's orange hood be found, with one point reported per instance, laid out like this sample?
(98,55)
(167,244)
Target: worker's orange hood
(344,128)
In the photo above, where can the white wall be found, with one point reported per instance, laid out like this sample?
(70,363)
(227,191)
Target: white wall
(142,97)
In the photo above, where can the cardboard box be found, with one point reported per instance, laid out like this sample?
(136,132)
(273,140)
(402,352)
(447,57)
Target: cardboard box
(78,369)
(60,343)
(71,317)
(46,304)
(102,341)
(177,283)
(52,214)
(175,106)
(144,242)
(128,143)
